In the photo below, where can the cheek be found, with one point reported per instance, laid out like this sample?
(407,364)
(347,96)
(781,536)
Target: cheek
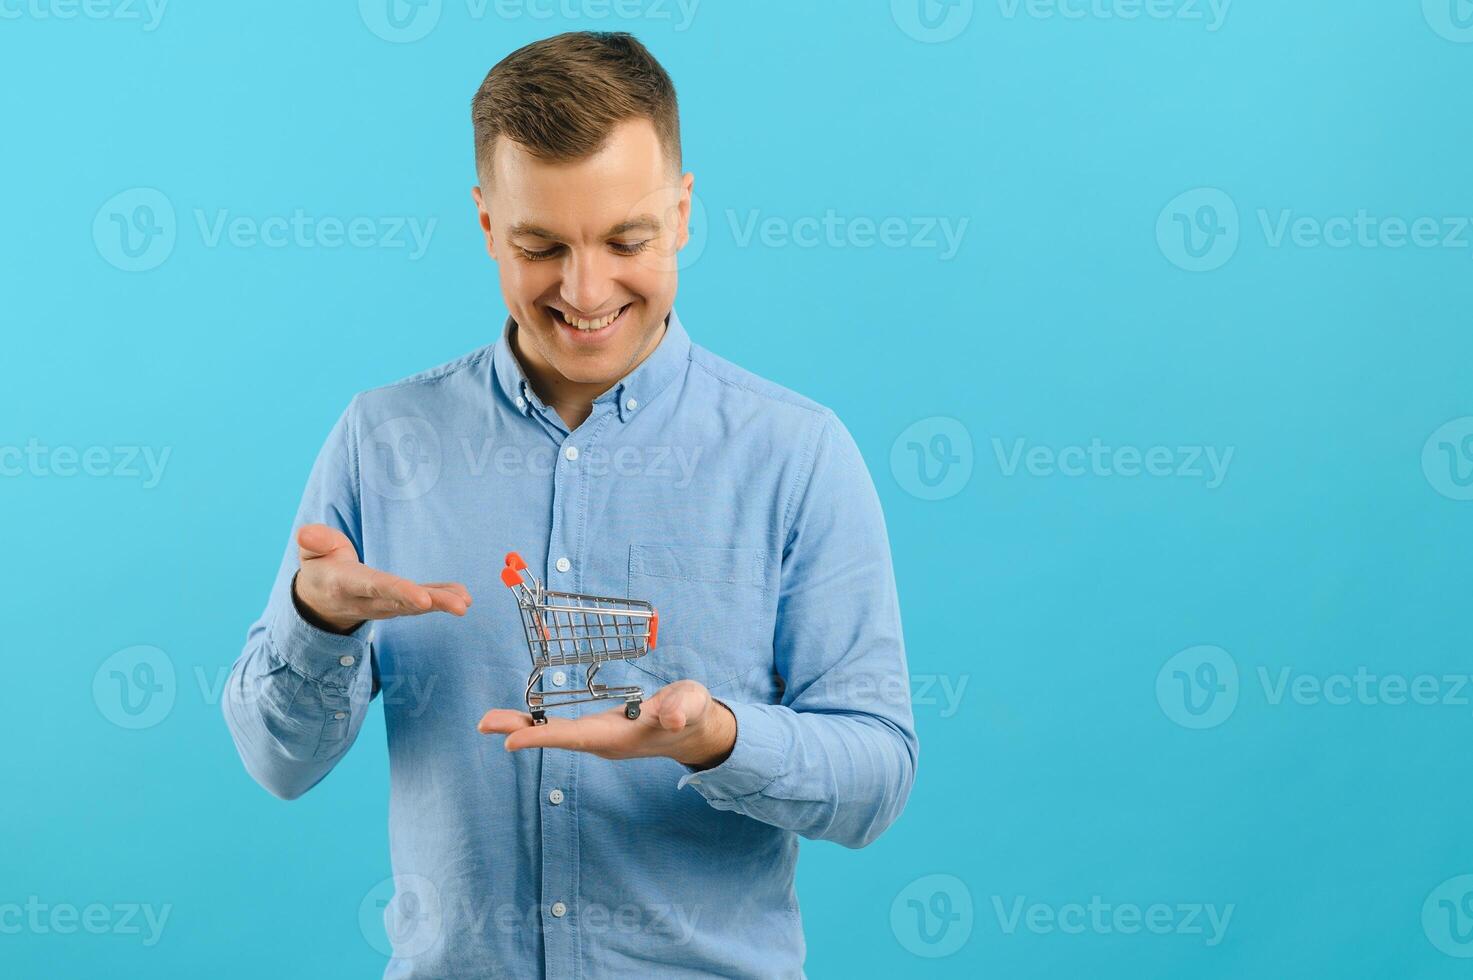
(527,281)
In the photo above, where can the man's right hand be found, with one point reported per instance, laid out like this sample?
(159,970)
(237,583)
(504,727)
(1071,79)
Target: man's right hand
(340,592)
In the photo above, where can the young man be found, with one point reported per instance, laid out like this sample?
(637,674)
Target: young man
(619,459)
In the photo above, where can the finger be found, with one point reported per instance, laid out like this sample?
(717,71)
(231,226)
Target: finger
(319,541)
(407,597)
(575,734)
(503,721)
(465,594)
(675,704)
(446,601)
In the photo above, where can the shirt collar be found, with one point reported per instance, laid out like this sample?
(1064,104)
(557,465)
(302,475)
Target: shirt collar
(629,396)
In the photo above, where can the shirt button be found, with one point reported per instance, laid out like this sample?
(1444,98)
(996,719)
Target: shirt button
(563,564)
(521,402)
(559,678)
(571,452)
(340,715)
(559,910)
(347,660)
(631,404)
(555,797)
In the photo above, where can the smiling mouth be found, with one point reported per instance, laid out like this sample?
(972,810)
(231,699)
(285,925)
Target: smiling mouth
(587,326)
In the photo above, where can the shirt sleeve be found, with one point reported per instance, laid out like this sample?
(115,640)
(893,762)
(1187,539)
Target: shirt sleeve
(835,760)
(297,695)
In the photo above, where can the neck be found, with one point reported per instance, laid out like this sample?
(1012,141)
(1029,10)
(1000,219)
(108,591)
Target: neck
(573,400)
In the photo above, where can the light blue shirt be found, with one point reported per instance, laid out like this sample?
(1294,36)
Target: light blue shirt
(745,514)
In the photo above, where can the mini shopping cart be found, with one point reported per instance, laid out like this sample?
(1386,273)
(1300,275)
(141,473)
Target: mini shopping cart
(566,628)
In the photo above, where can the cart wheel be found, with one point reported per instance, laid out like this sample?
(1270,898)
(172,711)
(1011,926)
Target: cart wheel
(631,710)
(539,717)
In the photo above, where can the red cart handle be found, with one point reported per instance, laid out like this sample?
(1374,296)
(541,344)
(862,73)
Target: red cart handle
(512,573)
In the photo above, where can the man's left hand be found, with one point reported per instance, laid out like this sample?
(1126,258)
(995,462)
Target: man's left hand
(681,721)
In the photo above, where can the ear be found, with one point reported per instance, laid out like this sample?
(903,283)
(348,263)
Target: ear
(484,217)
(687,187)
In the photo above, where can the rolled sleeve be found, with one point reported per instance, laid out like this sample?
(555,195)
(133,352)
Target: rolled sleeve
(326,658)
(756,760)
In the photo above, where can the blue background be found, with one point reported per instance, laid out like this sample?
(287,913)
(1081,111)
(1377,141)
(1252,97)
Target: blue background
(1060,774)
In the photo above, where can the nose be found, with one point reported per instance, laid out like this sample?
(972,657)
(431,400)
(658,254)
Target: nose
(588,280)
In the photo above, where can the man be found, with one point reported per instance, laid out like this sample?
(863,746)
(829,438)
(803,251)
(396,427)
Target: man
(619,459)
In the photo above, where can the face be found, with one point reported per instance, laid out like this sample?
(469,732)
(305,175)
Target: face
(586,252)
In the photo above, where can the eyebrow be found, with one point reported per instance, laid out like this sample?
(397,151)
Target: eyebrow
(643,222)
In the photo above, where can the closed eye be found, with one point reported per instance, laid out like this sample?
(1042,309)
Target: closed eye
(620,248)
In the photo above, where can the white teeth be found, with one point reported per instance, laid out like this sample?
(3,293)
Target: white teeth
(590,325)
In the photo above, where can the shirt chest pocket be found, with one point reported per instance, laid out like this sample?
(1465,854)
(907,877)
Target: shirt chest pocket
(716,623)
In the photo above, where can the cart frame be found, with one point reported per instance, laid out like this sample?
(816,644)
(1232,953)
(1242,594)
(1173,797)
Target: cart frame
(570,628)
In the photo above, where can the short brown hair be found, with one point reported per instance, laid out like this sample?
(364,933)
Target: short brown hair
(560,97)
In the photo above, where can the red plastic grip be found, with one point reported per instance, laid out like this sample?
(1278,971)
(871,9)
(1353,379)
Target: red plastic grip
(514,560)
(511,577)
(654,628)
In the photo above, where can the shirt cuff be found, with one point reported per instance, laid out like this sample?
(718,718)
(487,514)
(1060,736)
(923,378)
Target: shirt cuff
(762,745)
(327,658)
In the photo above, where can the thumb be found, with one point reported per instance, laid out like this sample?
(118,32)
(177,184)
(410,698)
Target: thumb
(321,541)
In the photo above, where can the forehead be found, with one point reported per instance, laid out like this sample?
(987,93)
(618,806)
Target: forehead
(627,177)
